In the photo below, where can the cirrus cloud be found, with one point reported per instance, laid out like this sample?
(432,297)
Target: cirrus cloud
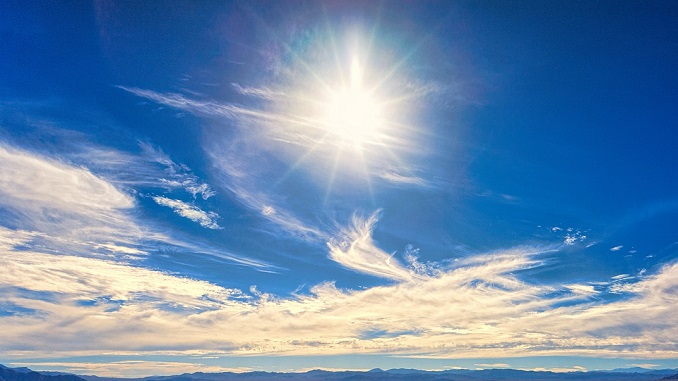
(192,212)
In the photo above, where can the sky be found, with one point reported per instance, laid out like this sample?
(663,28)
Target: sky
(294,185)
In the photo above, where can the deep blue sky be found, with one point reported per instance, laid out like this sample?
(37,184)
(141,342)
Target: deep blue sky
(204,186)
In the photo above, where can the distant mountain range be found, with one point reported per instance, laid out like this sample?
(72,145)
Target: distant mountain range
(25,374)
(630,374)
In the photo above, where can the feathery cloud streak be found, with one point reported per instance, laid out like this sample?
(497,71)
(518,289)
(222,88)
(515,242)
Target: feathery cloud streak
(68,209)
(355,249)
(192,212)
(59,200)
(250,187)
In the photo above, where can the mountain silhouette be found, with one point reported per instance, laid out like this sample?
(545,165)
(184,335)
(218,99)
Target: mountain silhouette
(25,374)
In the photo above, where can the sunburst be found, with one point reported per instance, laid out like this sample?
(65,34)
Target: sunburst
(352,114)
(342,115)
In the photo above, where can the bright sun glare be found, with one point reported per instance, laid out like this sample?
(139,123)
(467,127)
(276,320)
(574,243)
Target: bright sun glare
(353,116)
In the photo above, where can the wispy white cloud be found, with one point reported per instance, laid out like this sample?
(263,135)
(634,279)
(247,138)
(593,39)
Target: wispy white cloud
(150,168)
(120,249)
(74,279)
(620,277)
(645,365)
(249,187)
(396,177)
(258,92)
(180,102)
(41,182)
(354,249)
(569,240)
(65,208)
(267,210)
(192,212)
(212,108)
(12,238)
(493,365)
(60,200)
(179,175)
(624,283)
(616,248)
(582,289)
(572,236)
(576,368)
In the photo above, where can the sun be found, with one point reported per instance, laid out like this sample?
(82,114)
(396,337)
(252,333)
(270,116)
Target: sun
(353,115)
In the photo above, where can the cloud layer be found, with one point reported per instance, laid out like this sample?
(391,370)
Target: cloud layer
(476,307)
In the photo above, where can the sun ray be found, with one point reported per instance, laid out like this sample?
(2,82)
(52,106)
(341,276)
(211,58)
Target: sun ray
(330,180)
(300,161)
(375,29)
(402,62)
(368,180)
(333,44)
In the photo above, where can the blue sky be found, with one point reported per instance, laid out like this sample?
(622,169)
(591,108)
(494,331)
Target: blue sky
(280,186)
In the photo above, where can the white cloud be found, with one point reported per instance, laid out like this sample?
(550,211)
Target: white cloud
(120,249)
(616,248)
(403,179)
(38,182)
(9,239)
(192,212)
(151,168)
(267,210)
(493,365)
(244,183)
(77,278)
(645,365)
(180,175)
(182,103)
(210,108)
(354,249)
(575,368)
(573,236)
(620,276)
(263,92)
(63,202)
(582,289)
(64,208)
